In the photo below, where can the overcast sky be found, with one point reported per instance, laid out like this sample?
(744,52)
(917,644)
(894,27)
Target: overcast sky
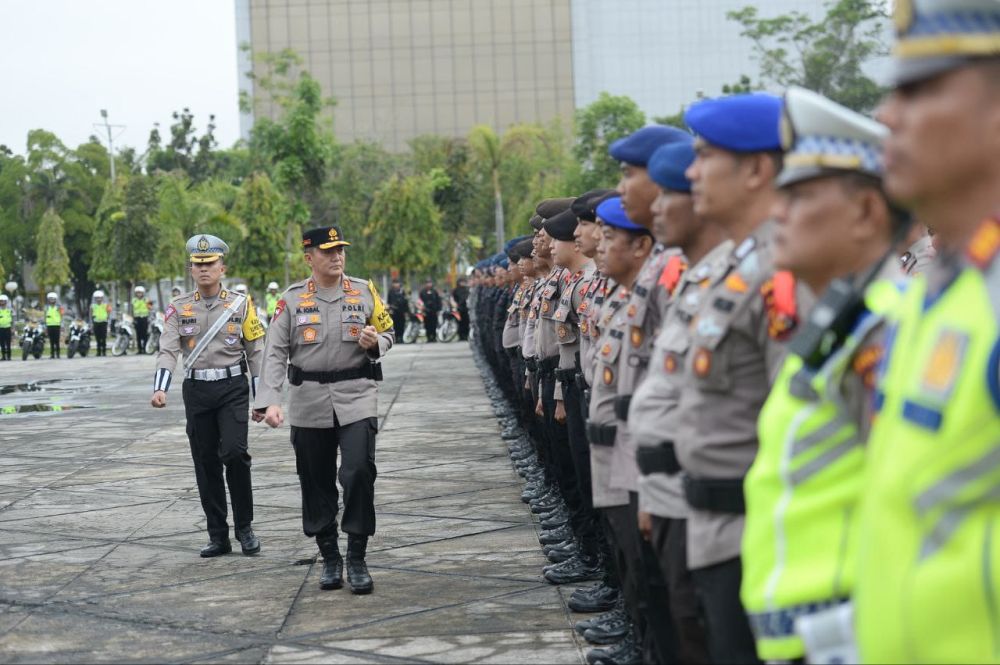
(65,60)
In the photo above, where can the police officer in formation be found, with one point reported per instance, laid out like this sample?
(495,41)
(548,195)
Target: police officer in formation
(140,315)
(218,336)
(6,326)
(99,313)
(399,308)
(791,406)
(327,336)
(53,323)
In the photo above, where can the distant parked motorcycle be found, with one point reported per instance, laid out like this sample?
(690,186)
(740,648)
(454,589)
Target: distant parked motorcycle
(126,333)
(448,323)
(78,339)
(32,340)
(415,326)
(156,324)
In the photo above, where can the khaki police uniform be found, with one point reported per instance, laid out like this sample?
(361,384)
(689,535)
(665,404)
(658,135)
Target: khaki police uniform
(216,393)
(313,339)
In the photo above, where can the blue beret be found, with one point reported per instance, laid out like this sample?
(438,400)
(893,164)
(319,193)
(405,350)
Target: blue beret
(511,243)
(611,212)
(504,262)
(740,123)
(668,164)
(638,147)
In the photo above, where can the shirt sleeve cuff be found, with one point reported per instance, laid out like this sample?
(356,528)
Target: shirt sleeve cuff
(161,380)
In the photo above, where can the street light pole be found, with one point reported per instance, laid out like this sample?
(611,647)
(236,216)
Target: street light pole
(111,140)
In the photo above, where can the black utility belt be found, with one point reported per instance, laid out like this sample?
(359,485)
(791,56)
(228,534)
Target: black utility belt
(548,365)
(717,495)
(531,364)
(622,402)
(369,370)
(601,435)
(566,375)
(661,458)
(581,382)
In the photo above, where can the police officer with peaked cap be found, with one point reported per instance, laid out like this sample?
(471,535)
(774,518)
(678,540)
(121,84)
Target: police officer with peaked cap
(837,233)
(327,335)
(219,337)
(927,574)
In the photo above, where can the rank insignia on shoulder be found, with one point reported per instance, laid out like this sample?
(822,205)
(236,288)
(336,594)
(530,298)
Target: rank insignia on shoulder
(702,362)
(670,363)
(170,312)
(942,368)
(636,336)
(736,283)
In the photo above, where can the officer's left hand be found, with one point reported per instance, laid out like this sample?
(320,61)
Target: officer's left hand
(369,338)
(538,409)
(560,414)
(256,415)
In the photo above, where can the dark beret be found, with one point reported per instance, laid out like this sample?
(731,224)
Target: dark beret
(585,204)
(536,222)
(525,248)
(552,207)
(561,226)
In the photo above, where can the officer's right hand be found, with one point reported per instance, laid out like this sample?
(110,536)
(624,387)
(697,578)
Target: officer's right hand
(159,399)
(273,416)
(646,525)
(539,411)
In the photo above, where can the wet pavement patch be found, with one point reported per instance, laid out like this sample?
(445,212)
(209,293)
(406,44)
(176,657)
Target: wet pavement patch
(43,387)
(14,409)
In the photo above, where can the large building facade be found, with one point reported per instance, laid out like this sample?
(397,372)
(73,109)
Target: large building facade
(402,68)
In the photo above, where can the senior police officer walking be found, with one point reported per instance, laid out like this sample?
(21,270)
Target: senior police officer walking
(328,334)
(219,336)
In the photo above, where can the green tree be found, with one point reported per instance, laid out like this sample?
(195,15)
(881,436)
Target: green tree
(602,122)
(299,147)
(826,55)
(258,256)
(18,237)
(127,232)
(52,264)
(360,169)
(186,151)
(486,146)
(405,228)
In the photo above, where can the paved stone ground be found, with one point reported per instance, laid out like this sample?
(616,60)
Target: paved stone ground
(100,527)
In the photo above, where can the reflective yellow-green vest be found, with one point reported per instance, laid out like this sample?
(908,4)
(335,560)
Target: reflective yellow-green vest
(53,315)
(99,312)
(798,543)
(6,317)
(272,303)
(140,307)
(928,585)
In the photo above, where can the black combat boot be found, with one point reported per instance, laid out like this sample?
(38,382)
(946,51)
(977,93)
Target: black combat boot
(216,547)
(249,542)
(357,570)
(333,563)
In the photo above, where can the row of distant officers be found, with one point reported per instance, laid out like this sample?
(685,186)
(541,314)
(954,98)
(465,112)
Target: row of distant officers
(751,405)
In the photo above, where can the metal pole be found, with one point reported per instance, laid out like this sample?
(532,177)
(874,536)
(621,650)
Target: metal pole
(111,140)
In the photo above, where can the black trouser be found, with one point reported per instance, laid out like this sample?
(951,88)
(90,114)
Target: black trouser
(431,325)
(101,335)
(669,541)
(217,414)
(316,464)
(55,332)
(579,453)
(729,637)
(399,324)
(643,587)
(463,323)
(141,332)
(4,343)
(562,461)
